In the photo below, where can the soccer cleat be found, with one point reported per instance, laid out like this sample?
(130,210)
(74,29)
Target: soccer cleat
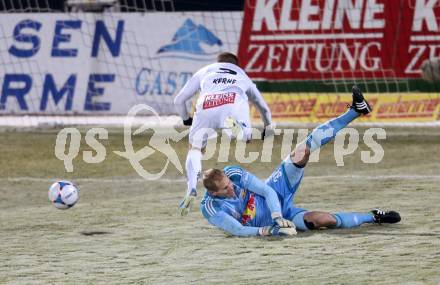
(185,205)
(359,104)
(385,217)
(235,127)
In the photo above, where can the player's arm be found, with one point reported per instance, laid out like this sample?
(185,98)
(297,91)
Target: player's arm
(212,211)
(256,98)
(186,93)
(249,181)
(257,186)
(233,227)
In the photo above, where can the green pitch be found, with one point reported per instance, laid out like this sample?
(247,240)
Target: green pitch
(125,230)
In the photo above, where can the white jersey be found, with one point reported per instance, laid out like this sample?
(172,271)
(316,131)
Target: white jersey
(221,84)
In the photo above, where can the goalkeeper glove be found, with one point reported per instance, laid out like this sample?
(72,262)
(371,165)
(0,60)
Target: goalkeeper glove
(188,122)
(281,222)
(275,230)
(186,203)
(268,131)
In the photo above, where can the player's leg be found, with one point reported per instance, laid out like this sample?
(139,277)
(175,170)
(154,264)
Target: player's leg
(237,123)
(198,136)
(201,130)
(193,167)
(285,180)
(325,132)
(306,220)
(204,126)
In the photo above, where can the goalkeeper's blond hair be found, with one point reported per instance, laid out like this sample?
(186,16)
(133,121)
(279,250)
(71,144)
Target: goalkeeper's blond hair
(210,179)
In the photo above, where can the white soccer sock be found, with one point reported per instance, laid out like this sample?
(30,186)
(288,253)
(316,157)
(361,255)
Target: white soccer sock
(193,168)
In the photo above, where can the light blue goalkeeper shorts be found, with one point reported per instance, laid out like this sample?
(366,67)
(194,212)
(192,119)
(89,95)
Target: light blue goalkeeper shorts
(285,181)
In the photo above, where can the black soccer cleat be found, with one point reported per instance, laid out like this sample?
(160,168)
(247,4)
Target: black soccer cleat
(359,104)
(385,217)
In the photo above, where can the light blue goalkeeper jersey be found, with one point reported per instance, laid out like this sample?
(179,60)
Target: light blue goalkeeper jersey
(251,208)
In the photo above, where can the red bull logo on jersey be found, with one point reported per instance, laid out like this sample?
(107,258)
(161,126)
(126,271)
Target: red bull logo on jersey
(215,100)
(250,211)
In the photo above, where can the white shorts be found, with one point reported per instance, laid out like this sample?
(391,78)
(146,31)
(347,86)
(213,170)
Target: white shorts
(206,122)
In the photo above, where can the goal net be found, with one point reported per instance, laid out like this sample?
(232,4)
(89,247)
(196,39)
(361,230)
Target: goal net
(93,61)
(90,61)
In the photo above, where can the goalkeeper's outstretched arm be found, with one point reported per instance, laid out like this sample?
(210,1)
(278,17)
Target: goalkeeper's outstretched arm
(233,227)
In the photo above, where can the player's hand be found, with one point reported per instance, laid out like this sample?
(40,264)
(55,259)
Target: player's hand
(268,131)
(186,204)
(275,230)
(280,221)
(188,122)
(283,223)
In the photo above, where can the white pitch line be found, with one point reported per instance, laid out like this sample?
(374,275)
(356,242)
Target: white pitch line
(171,180)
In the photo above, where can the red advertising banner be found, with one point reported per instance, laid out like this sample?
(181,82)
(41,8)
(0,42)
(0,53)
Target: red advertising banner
(335,39)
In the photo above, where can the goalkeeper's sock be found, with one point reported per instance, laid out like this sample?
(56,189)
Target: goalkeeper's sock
(193,168)
(324,133)
(346,220)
